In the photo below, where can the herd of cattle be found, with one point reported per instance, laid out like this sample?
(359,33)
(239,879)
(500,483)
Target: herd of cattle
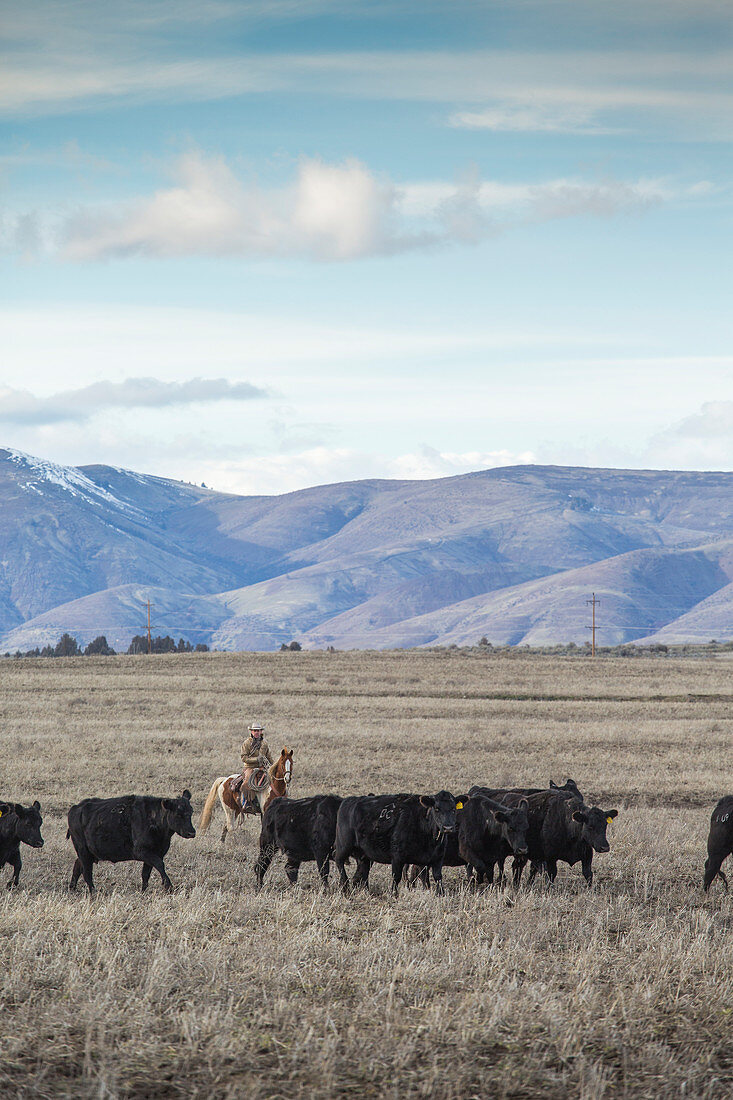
(414,834)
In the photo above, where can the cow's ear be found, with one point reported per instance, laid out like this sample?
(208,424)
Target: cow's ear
(554,786)
(500,815)
(186,794)
(523,804)
(427,800)
(36,805)
(461,800)
(580,816)
(610,814)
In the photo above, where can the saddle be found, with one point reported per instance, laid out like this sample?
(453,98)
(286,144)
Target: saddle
(248,790)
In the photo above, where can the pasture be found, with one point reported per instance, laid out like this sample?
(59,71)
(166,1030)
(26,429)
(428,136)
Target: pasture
(625,990)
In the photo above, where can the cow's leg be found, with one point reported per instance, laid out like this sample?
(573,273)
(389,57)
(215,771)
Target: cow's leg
(421,874)
(75,874)
(343,877)
(518,865)
(291,870)
(324,866)
(87,863)
(480,870)
(587,868)
(156,862)
(147,871)
(361,874)
(264,859)
(712,868)
(398,868)
(500,867)
(437,869)
(16,863)
(551,869)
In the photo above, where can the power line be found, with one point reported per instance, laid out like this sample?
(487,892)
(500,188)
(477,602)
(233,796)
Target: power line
(594,603)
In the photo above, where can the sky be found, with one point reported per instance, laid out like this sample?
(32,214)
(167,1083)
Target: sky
(267,244)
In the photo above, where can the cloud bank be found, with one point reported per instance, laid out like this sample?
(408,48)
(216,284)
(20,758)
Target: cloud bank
(20,407)
(330,212)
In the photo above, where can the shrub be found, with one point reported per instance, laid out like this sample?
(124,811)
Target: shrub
(99,648)
(67,647)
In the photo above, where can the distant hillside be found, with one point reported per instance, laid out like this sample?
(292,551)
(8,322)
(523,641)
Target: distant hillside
(511,554)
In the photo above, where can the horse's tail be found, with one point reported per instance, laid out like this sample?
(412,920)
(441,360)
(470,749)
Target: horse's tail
(205,819)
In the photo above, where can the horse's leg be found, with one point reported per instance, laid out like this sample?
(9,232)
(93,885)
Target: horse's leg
(229,815)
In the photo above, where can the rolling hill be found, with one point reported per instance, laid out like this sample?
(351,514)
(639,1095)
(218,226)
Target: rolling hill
(511,554)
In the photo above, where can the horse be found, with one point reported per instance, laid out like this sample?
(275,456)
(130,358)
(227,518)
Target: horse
(274,784)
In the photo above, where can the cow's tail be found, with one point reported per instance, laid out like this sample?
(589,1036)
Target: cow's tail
(205,819)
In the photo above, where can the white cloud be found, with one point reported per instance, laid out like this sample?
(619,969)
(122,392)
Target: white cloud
(330,212)
(323,465)
(334,212)
(715,419)
(570,118)
(70,57)
(701,441)
(20,407)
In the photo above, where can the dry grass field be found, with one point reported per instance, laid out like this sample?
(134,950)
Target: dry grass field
(625,990)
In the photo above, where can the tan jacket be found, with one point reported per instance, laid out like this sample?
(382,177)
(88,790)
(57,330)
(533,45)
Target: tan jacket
(253,749)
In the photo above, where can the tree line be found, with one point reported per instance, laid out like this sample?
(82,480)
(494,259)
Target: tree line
(68,646)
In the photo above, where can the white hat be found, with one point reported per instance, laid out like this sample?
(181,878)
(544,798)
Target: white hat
(256,728)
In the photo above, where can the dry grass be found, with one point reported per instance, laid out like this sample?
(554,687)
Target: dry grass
(622,991)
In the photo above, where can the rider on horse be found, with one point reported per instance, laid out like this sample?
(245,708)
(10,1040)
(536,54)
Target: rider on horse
(255,754)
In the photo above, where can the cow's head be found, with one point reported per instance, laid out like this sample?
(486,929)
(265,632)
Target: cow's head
(593,822)
(514,824)
(28,829)
(177,812)
(570,786)
(441,811)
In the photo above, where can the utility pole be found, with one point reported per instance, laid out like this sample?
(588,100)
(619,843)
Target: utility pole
(150,642)
(594,603)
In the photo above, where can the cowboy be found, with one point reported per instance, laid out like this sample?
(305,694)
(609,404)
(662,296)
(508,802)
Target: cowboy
(255,754)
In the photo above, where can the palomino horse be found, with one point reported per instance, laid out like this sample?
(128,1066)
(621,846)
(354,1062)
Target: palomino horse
(275,785)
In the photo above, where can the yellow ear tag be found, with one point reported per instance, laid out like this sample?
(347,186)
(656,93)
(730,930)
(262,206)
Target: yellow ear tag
(609,820)
(459,805)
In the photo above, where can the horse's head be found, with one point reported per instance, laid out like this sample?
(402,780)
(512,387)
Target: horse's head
(284,767)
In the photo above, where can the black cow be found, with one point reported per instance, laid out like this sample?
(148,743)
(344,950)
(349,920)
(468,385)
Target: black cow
(538,803)
(130,827)
(18,825)
(487,833)
(572,832)
(304,829)
(394,829)
(720,841)
(569,787)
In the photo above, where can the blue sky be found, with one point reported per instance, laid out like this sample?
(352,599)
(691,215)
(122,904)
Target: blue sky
(272,244)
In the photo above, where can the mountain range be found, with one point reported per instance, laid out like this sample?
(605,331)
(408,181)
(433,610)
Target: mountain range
(510,554)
